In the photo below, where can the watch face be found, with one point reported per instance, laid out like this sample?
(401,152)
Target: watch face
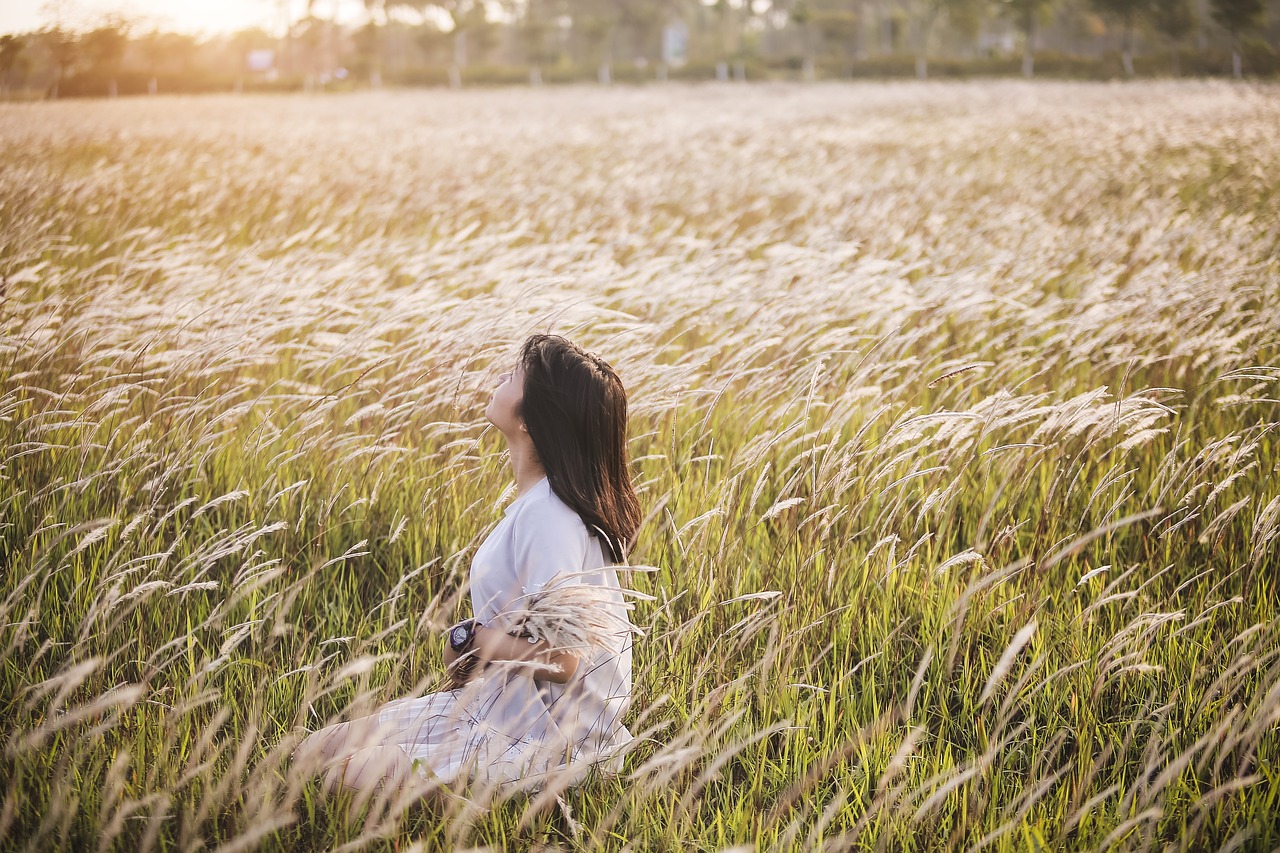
(458,636)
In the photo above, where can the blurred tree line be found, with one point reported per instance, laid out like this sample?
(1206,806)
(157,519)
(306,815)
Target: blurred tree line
(425,42)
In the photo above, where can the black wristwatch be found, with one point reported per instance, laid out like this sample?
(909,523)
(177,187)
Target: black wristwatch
(462,635)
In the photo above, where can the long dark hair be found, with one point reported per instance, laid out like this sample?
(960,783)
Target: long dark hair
(575,410)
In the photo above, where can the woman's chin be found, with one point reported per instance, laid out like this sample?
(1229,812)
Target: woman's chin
(495,423)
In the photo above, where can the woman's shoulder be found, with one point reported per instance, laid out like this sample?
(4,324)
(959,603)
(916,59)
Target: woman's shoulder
(542,507)
(550,538)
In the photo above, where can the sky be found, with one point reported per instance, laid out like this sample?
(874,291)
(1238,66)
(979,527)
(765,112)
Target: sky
(191,16)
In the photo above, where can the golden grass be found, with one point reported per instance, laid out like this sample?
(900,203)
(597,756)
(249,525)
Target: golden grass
(954,423)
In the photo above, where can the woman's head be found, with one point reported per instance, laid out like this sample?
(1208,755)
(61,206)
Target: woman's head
(574,409)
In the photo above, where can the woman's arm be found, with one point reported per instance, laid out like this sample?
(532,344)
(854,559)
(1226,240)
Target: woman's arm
(542,663)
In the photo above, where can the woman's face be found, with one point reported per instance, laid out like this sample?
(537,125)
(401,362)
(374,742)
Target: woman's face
(504,403)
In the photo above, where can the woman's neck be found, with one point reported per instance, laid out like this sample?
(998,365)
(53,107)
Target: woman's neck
(525,465)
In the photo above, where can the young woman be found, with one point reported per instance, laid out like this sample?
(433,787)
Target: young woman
(524,708)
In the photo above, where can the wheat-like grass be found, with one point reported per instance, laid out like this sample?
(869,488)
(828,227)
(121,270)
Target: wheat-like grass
(953,420)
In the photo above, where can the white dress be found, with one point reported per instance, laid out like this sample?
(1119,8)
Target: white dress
(507,727)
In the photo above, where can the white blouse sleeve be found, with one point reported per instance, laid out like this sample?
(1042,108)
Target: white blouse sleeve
(549,541)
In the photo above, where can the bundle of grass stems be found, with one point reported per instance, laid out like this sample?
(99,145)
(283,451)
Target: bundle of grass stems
(570,616)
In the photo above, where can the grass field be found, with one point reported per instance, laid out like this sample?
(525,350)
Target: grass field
(954,416)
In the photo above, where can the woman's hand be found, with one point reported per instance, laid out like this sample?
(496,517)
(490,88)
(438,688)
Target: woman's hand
(463,668)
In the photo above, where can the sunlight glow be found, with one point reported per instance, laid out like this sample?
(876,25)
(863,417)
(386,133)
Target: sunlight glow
(205,17)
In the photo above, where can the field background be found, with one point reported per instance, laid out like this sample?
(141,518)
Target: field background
(954,415)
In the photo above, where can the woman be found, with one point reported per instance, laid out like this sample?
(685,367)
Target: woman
(523,707)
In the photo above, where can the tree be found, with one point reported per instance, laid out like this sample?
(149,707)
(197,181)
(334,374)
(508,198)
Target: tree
(434,43)
(379,12)
(104,47)
(1026,15)
(164,53)
(10,49)
(1174,19)
(927,13)
(63,48)
(1127,12)
(479,35)
(465,15)
(640,24)
(838,28)
(535,32)
(308,36)
(802,16)
(826,26)
(595,22)
(732,17)
(965,19)
(1236,16)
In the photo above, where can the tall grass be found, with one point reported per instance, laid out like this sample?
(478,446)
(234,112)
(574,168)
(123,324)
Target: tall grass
(954,420)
